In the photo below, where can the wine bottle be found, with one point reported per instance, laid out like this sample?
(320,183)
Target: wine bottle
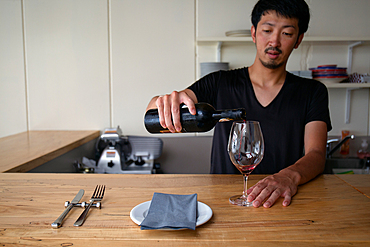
(204,120)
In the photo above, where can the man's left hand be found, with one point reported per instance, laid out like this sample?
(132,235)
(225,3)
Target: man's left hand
(269,189)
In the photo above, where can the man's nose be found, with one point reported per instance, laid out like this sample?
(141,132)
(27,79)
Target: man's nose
(275,40)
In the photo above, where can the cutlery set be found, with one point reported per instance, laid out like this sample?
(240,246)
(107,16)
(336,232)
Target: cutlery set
(95,201)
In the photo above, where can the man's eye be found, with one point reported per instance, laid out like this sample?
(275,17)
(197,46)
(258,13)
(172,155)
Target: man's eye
(266,31)
(288,34)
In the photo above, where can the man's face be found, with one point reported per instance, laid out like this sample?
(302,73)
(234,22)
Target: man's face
(275,39)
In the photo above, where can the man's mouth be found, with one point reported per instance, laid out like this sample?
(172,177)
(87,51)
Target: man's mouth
(273,52)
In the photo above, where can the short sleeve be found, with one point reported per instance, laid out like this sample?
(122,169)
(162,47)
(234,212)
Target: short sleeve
(319,106)
(206,88)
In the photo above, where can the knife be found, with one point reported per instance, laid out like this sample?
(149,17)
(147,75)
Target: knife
(58,222)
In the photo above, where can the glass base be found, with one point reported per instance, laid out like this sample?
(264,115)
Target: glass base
(239,200)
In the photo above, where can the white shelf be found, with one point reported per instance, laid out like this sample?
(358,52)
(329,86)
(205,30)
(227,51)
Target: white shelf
(208,40)
(347,85)
(351,42)
(325,39)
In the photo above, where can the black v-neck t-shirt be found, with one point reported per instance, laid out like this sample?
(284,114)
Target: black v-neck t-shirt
(283,121)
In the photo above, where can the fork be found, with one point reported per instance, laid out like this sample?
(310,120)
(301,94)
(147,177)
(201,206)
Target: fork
(96,197)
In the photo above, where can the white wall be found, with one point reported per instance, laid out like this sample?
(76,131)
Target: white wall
(152,53)
(13,117)
(67,64)
(91,64)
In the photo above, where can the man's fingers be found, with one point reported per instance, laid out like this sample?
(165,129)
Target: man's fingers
(190,104)
(160,107)
(254,191)
(272,199)
(169,109)
(176,119)
(287,200)
(167,113)
(265,193)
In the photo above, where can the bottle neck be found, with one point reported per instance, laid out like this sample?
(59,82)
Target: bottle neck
(228,115)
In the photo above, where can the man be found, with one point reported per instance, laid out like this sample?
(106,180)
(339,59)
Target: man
(293,112)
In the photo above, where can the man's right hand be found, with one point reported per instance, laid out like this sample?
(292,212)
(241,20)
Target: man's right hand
(169,108)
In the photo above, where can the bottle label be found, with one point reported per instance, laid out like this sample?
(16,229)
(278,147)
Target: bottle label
(167,131)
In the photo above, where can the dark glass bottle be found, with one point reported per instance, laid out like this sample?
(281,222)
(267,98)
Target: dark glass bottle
(204,120)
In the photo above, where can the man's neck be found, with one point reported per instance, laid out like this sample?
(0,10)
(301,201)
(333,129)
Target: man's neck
(265,77)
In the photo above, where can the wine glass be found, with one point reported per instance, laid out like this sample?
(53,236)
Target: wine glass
(246,150)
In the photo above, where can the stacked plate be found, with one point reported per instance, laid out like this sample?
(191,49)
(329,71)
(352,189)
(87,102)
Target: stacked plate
(302,73)
(238,33)
(329,73)
(206,68)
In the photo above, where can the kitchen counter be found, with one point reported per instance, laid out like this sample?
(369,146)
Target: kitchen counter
(327,211)
(27,150)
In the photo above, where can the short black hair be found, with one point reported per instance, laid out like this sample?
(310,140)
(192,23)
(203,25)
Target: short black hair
(288,8)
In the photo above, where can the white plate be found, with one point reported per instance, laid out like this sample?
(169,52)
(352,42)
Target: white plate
(139,212)
(330,80)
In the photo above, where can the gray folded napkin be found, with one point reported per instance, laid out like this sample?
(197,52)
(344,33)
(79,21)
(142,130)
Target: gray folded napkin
(171,211)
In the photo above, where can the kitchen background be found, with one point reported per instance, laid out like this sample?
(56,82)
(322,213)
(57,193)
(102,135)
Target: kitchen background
(92,64)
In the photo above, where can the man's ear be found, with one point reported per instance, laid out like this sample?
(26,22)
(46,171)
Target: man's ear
(299,40)
(253,33)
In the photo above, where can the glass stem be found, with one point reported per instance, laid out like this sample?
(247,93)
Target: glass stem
(245,195)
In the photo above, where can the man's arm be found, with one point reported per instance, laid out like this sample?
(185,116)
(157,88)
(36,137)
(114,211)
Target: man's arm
(285,183)
(169,107)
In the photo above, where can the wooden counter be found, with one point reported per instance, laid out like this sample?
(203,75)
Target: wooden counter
(325,212)
(27,150)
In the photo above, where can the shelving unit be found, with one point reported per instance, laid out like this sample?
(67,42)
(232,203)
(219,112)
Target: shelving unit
(324,39)
(350,41)
(319,40)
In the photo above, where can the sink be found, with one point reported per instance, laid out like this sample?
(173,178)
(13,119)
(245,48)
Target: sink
(343,163)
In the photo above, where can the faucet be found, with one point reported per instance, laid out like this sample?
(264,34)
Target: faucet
(329,142)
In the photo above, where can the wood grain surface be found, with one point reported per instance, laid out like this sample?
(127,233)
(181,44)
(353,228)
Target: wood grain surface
(360,182)
(325,212)
(27,150)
